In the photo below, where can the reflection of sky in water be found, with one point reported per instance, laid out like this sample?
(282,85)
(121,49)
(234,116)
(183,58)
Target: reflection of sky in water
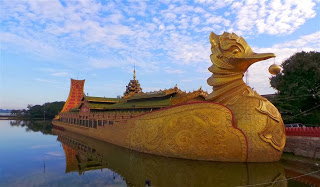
(33,159)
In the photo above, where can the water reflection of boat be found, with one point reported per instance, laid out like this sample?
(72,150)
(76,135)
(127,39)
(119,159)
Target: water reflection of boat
(84,153)
(298,170)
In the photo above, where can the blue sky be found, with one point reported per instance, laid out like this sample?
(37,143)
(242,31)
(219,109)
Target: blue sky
(44,43)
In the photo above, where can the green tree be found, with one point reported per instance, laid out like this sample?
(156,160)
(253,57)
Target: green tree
(52,109)
(298,97)
(16,112)
(47,110)
(36,111)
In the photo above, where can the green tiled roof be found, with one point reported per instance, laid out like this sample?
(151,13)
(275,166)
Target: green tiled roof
(102,99)
(151,95)
(131,105)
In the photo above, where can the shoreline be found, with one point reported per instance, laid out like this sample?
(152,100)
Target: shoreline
(22,118)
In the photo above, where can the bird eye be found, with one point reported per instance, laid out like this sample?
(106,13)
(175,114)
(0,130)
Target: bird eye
(235,51)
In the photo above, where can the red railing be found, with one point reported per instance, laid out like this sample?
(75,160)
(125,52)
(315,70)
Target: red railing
(303,131)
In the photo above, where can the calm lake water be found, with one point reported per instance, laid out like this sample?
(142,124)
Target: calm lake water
(32,154)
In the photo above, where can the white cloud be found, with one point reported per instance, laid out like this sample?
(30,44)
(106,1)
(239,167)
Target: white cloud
(88,26)
(116,18)
(215,4)
(61,74)
(154,35)
(55,153)
(259,75)
(169,16)
(311,40)
(186,80)
(41,146)
(53,72)
(104,62)
(51,81)
(29,45)
(173,71)
(136,7)
(272,17)
(183,50)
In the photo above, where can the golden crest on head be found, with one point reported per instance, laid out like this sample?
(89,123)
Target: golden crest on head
(214,41)
(230,44)
(230,51)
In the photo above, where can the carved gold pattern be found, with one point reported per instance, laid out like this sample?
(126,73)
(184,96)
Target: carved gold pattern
(269,109)
(259,120)
(273,134)
(201,131)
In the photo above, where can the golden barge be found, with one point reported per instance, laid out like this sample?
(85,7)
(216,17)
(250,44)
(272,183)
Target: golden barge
(233,123)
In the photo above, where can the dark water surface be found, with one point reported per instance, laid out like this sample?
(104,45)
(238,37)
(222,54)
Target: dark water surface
(31,154)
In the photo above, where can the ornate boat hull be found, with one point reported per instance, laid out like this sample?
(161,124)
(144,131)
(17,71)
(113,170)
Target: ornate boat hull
(199,131)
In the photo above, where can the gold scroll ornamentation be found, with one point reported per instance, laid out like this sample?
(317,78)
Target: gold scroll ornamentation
(201,131)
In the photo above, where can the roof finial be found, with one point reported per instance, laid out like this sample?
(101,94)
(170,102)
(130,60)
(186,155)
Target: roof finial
(134,71)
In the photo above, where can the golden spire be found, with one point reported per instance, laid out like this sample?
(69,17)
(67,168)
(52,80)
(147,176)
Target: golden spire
(134,72)
(133,86)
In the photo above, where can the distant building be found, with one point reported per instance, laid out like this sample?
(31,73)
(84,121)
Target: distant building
(269,96)
(133,86)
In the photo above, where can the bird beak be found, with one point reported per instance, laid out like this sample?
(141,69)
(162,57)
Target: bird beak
(259,56)
(244,62)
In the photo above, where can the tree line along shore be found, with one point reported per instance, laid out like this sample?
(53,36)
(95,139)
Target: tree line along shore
(46,111)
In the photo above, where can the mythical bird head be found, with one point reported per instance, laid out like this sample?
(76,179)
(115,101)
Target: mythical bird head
(231,52)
